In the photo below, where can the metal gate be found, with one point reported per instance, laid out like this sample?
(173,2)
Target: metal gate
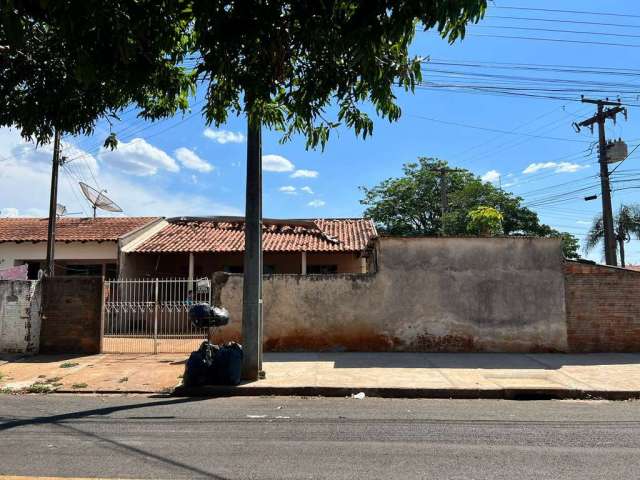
(152,315)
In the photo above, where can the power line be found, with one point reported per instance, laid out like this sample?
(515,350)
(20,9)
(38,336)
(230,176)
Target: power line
(557,40)
(556,30)
(558,20)
(579,12)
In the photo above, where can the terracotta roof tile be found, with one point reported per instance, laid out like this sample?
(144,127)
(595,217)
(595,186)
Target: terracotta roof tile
(69,229)
(330,235)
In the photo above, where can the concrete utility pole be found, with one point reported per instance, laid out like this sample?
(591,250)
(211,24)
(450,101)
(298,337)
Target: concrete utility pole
(444,191)
(600,118)
(53,200)
(252,287)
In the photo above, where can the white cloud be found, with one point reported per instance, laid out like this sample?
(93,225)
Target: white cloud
(583,222)
(316,203)
(491,176)
(276,163)
(307,190)
(288,189)
(223,136)
(189,159)
(138,158)
(10,212)
(25,182)
(561,167)
(304,174)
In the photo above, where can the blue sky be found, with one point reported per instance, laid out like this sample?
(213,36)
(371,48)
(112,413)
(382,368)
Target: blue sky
(174,168)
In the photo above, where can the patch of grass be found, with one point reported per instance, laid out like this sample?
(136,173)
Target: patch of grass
(6,390)
(42,376)
(53,380)
(1,375)
(123,380)
(39,387)
(79,385)
(69,364)
(180,376)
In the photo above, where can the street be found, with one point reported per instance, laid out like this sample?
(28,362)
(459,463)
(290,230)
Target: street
(284,437)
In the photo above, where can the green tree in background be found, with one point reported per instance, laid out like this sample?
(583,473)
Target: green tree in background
(411,205)
(485,221)
(626,225)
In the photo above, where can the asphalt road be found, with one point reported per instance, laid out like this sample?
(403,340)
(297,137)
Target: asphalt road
(283,438)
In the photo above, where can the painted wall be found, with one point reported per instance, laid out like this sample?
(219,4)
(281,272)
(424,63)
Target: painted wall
(19,316)
(10,252)
(430,294)
(138,265)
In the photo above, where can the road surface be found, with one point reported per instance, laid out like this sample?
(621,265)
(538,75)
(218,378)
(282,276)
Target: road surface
(287,438)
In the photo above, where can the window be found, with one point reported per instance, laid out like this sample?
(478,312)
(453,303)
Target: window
(322,269)
(266,269)
(94,270)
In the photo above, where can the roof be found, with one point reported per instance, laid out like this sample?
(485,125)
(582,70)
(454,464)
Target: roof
(70,229)
(210,235)
(633,267)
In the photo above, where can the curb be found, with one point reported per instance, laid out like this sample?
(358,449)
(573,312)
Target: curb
(214,391)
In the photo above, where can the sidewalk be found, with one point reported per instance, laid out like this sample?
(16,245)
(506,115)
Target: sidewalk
(429,375)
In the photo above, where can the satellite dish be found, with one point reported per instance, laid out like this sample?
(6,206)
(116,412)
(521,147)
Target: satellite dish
(60,210)
(98,199)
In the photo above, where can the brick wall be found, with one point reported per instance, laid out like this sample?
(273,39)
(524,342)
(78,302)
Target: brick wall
(71,315)
(603,308)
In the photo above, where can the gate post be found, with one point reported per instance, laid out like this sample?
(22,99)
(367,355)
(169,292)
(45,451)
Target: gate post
(155,320)
(103,306)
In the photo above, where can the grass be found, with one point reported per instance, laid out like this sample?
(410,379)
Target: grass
(39,387)
(123,379)
(6,390)
(79,385)
(52,380)
(69,364)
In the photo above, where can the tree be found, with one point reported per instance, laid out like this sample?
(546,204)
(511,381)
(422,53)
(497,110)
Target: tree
(66,64)
(626,224)
(485,221)
(411,205)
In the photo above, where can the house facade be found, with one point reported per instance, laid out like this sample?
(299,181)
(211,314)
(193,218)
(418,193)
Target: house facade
(84,246)
(186,247)
(192,247)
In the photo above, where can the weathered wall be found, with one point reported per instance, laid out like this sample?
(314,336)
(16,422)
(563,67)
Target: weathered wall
(430,294)
(603,308)
(71,315)
(19,316)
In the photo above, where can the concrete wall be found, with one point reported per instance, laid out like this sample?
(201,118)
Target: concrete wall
(603,308)
(71,308)
(430,294)
(19,316)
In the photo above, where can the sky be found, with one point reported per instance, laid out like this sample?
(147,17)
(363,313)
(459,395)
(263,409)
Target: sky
(500,103)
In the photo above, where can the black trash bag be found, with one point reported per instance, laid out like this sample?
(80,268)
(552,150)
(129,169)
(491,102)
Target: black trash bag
(226,368)
(197,370)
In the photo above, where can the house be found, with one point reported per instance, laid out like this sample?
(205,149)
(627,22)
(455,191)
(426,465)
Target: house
(188,247)
(84,246)
(193,247)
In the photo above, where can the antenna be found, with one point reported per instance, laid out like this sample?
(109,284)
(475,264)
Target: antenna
(60,210)
(98,199)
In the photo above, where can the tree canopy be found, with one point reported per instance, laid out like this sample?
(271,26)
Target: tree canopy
(286,63)
(626,225)
(65,64)
(411,205)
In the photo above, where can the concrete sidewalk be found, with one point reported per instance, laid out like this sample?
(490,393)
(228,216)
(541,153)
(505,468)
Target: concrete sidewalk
(429,375)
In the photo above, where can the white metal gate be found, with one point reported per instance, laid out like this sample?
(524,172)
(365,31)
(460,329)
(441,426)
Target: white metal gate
(152,315)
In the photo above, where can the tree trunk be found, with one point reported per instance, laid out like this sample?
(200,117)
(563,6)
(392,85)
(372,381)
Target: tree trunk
(621,242)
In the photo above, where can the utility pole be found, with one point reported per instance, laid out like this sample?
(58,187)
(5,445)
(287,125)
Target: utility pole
(53,199)
(252,287)
(444,192)
(600,118)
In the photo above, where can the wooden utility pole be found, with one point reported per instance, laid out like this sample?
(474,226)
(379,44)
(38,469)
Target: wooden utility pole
(252,287)
(600,118)
(53,200)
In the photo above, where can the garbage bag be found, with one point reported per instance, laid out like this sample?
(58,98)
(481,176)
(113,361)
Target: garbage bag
(197,370)
(226,368)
